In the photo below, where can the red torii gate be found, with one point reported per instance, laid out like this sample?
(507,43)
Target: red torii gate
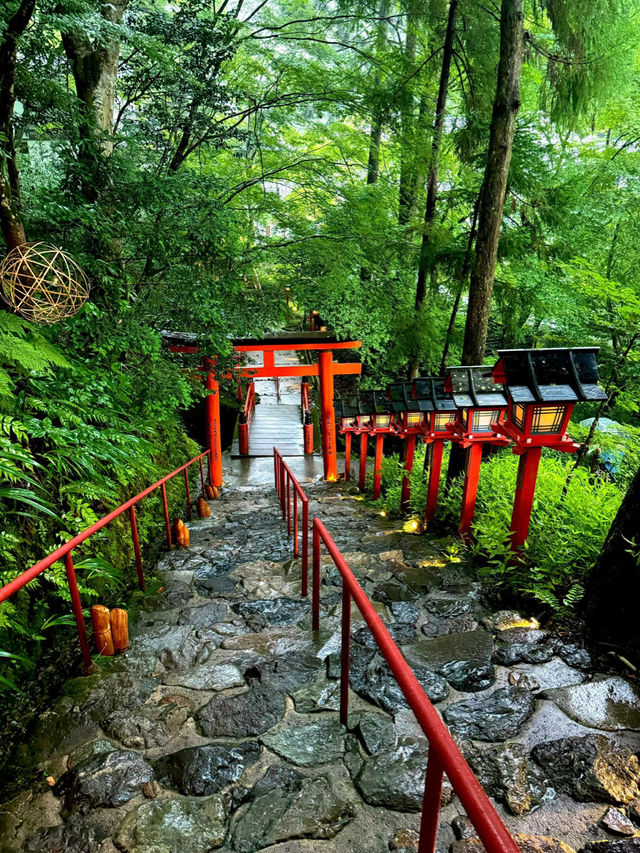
(326,368)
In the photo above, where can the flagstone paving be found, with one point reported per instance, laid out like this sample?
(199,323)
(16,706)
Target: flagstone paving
(218,729)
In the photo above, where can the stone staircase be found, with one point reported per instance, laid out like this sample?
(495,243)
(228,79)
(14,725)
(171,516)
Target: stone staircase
(219,729)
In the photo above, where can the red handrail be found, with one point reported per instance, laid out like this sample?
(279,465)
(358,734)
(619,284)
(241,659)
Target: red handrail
(444,755)
(285,480)
(64,551)
(250,402)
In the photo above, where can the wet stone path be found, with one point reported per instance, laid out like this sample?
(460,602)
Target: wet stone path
(219,729)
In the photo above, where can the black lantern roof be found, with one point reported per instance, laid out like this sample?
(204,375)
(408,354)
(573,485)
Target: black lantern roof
(474,387)
(374,403)
(550,375)
(432,395)
(425,394)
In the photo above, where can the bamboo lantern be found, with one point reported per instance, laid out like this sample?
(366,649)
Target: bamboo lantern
(204,510)
(180,533)
(102,629)
(119,629)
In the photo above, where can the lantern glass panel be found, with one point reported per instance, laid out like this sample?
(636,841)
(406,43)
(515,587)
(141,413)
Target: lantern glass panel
(382,421)
(518,415)
(414,419)
(350,423)
(483,419)
(363,421)
(440,421)
(547,419)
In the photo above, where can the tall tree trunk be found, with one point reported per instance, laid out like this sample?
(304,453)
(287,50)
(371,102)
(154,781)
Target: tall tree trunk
(462,280)
(375,134)
(406,187)
(494,187)
(432,178)
(10,201)
(613,588)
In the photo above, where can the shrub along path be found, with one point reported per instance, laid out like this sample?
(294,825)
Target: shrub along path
(219,729)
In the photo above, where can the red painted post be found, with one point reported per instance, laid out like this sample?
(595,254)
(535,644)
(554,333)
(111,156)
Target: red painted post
(305,547)
(307,430)
(214,439)
(347,457)
(76,606)
(470,489)
(243,435)
(345,655)
(167,523)
(315,581)
(525,489)
(433,488)
(136,545)
(201,476)
(327,415)
(362,474)
(431,803)
(188,491)
(377,471)
(405,499)
(288,506)
(296,551)
(283,478)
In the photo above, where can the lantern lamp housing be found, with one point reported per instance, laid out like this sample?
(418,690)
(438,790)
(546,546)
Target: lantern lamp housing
(409,419)
(347,414)
(438,405)
(482,405)
(542,388)
(377,412)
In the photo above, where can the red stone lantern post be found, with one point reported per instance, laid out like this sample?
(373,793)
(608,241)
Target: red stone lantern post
(542,388)
(481,406)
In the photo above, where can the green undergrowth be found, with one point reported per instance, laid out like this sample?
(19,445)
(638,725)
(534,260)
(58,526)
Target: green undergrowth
(565,537)
(78,437)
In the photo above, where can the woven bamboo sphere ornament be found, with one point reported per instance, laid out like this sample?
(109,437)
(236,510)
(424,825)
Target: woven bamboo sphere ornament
(42,283)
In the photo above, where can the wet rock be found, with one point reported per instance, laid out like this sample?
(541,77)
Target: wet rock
(526,844)
(206,677)
(574,655)
(147,726)
(110,779)
(468,676)
(617,823)
(405,612)
(205,770)
(211,584)
(622,845)
(523,645)
(173,594)
(447,608)
(592,768)
(166,825)
(609,703)
(287,806)
(378,685)
(463,828)
(506,773)
(391,592)
(246,715)
(182,657)
(377,731)
(77,835)
(493,718)
(279,611)
(309,745)
(89,750)
(274,642)
(158,640)
(206,616)
(394,778)
(475,647)
(319,695)
(554,673)
(502,620)
(524,681)
(404,841)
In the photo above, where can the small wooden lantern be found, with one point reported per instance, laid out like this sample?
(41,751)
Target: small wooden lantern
(375,417)
(347,419)
(542,388)
(481,405)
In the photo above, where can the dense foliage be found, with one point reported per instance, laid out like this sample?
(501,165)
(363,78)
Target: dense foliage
(197,159)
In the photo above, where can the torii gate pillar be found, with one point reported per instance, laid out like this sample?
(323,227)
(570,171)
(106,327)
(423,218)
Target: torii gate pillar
(327,415)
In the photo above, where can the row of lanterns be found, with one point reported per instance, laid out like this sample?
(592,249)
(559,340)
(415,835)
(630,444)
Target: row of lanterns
(526,398)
